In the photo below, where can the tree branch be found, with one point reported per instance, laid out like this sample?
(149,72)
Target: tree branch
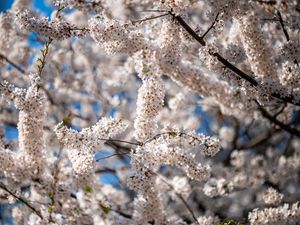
(19,68)
(258,140)
(180,197)
(265,2)
(282,26)
(211,26)
(227,64)
(21,199)
(273,120)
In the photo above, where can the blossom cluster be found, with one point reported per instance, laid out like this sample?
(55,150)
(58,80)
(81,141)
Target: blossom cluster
(82,145)
(56,28)
(31,118)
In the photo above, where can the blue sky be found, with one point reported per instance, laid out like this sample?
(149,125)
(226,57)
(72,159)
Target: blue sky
(40,5)
(5,4)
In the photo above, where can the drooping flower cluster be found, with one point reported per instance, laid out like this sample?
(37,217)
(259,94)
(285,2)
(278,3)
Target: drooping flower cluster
(7,33)
(30,125)
(149,102)
(258,52)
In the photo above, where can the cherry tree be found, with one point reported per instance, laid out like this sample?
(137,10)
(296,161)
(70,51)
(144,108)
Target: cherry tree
(151,112)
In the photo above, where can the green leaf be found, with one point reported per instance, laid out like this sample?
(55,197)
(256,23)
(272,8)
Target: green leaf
(105,209)
(88,189)
(172,134)
(51,208)
(67,121)
(229,222)
(50,194)
(39,60)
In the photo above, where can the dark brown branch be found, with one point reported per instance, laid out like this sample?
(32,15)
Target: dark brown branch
(236,134)
(258,141)
(282,26)
(215,54)
(211,26)
(123,141)
(19,68)
(280,111)
(227,64)
(289,99)
(188,29)
(128,216)
(155,10)
(180,197)
(265,2)
(105,170)
(118,148)
(115,145)
(233,68)
(286,34)
(149,18)
(287,146)
(21,199)
(273,120)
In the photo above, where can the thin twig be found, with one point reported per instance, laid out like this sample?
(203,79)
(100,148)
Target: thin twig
(112,155)
(42,60)
(180,197)
(128,216)
(273,120)
(59,10)
(115,145)
(149,18)
(280,111)
(122,141)
(45,51)
(155,10)
(282,26)
(171,133)
(211,26)
(176,134)
(19,68)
